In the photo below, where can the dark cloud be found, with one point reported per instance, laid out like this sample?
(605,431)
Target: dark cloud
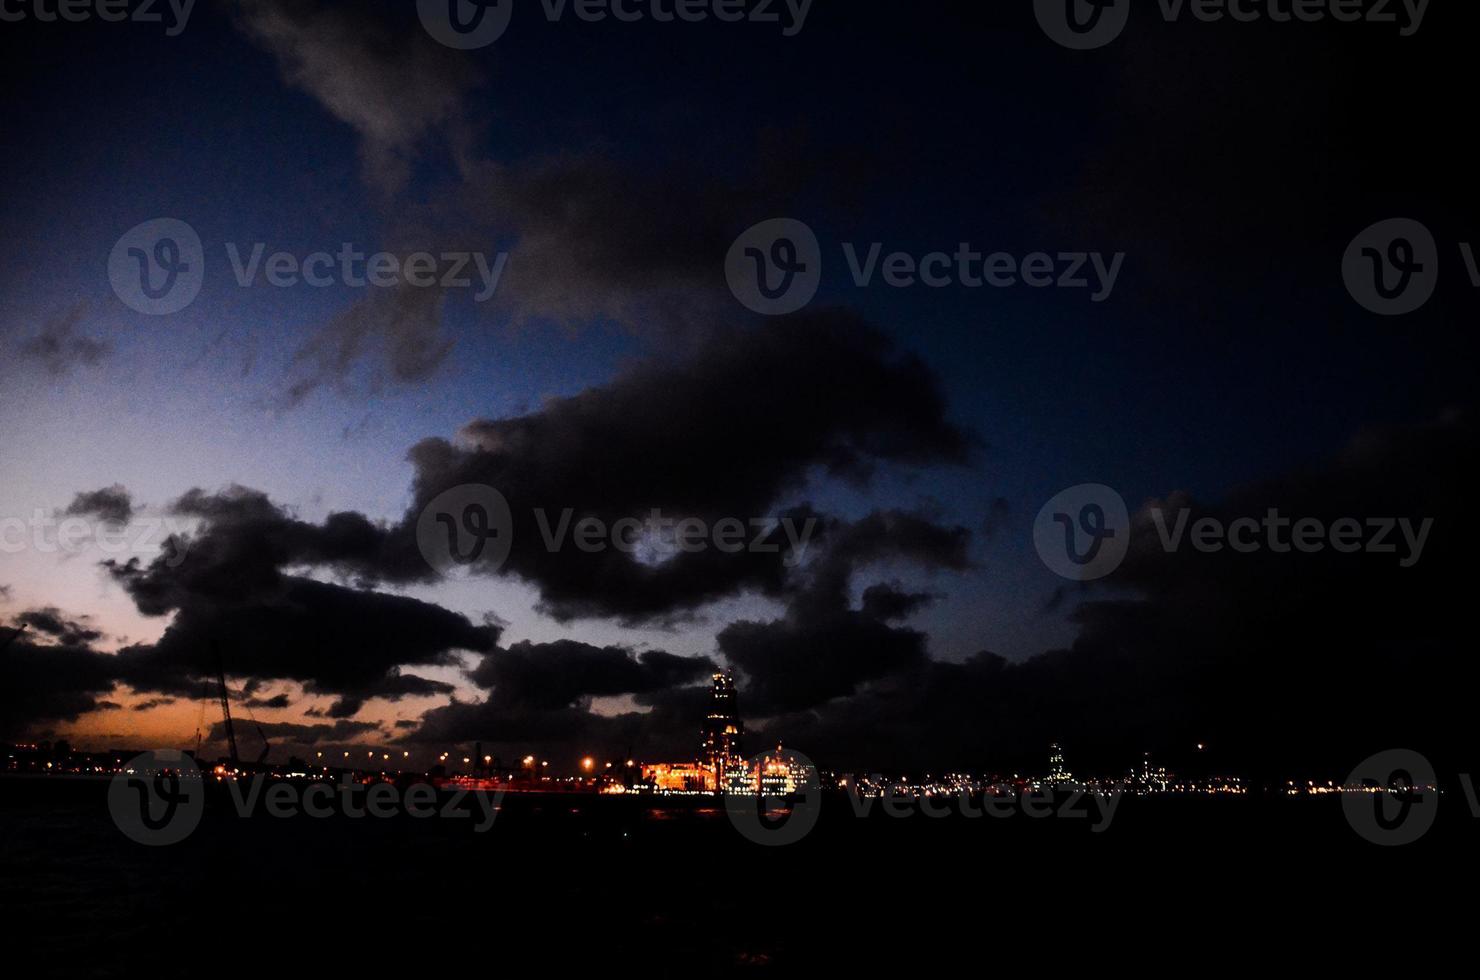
(245,542)
(59,348)
(593,235)
(392,687)
(1168,128)
(801,662)
(398,328)
(61,679)
(1288,663)
(109,504)
(51,622)
(541,695)
(823,649)
(562,673)
(330,638)
(276,701)
(235,601)
(820,393)
(666,725)
(726,433)
(597,236)
(887,601)
(391,83)
(375,70)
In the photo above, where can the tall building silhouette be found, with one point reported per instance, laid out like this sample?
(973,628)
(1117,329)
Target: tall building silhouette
(1057,771)
(723,729)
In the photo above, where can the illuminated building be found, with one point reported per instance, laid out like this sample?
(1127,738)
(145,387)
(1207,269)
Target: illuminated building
(1057,772)
(722,728)
(777,774)
(679,777)
(721,767)
(1151,777)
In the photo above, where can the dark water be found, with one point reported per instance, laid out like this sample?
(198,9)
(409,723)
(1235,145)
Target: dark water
(582,882)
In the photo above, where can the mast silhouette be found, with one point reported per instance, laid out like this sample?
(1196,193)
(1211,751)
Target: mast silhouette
(226,711)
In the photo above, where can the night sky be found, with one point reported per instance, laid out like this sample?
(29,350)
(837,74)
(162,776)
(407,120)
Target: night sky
(294,435)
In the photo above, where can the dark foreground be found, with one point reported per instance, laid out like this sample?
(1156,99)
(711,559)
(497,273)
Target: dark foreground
(564,883)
